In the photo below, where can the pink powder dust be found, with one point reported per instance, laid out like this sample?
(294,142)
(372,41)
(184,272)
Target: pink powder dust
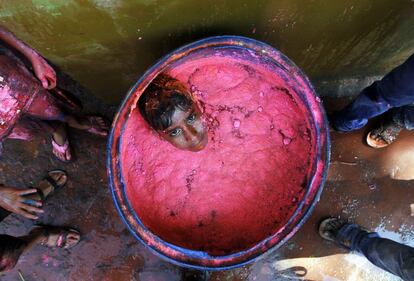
(246,184)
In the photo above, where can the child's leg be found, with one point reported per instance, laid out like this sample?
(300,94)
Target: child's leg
(27,128)
(93,124)
(45,107)
(11,248)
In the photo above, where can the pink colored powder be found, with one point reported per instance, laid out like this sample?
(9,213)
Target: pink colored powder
(246,184)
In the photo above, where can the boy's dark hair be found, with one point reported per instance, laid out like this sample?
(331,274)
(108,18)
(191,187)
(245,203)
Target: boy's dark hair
(160,100)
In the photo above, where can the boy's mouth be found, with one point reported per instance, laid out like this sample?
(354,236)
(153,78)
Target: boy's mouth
(200,145)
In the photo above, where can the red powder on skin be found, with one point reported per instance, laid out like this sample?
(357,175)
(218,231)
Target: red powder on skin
(246,184)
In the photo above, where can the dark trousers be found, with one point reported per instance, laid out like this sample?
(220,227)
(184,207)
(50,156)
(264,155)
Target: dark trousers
(384,253)
(395,92)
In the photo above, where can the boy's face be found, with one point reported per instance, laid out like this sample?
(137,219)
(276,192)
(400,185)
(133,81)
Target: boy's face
(187,131)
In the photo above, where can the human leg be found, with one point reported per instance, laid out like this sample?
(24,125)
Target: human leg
(27,129)
(384,253)
(396,89)
(391,125)
(387,254)
(92,124)
(11,248)
(45,107)
(404,116)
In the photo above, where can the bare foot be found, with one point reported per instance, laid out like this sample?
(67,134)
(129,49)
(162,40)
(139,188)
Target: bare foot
(93,124)
(97,125)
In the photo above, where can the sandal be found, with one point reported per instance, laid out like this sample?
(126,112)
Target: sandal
(98,126)
(52,182)
(384,135)
(57,237)
(339,231)
(329,229)
(62,152)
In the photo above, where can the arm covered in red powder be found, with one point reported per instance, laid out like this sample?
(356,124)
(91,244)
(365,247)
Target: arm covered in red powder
(44,72)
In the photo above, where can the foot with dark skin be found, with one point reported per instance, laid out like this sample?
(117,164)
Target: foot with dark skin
(93,124)
(28,202)
(52,237)
(60,142)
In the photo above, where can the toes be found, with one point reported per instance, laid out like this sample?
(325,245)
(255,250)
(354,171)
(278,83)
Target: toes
(74,236)
(378,139)
(64,156)
(58,176)
(72,239)
(61,178)
(102,123)
(59,155)
(68,155)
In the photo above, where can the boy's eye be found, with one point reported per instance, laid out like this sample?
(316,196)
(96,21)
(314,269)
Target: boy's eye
(175,132)
(191,118)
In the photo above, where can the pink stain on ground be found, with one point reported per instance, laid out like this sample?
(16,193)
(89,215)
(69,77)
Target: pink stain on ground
(45,259)
(245,185)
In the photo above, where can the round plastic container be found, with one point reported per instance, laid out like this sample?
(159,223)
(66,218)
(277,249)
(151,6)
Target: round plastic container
(255,183)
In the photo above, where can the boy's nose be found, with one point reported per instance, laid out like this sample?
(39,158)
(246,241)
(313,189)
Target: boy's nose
(190,134)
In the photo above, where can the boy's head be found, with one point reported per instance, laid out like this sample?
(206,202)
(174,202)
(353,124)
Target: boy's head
(169,109)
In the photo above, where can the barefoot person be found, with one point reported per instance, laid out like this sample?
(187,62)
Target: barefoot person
(393,94)
(171,110)
(27,106)
(28,203)
(384,253)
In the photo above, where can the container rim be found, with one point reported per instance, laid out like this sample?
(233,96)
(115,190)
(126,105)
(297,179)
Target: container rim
(197,259)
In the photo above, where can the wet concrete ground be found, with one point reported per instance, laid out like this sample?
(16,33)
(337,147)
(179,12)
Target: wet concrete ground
(362,185)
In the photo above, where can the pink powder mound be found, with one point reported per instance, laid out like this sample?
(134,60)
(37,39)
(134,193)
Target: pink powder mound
(246,184)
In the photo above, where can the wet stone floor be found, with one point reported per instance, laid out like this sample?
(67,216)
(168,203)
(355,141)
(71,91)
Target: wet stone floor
(372,187)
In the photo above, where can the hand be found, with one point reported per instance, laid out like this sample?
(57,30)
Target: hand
(44,72)
(13,200)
